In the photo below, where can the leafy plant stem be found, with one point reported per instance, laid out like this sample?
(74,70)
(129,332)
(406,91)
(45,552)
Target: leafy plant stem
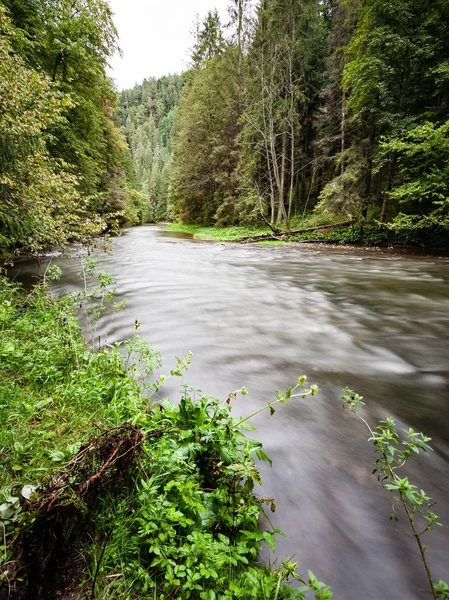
(97,570)
(4,540)
(278,587)
(282,399)
(416,535)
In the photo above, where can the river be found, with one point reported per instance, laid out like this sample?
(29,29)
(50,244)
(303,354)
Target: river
(258,316)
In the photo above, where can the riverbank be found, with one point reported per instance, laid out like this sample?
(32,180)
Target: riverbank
(239,233)
(319,233)
(257,317)
(106,493)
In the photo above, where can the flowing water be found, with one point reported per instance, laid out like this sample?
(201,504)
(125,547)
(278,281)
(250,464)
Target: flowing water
(258,316)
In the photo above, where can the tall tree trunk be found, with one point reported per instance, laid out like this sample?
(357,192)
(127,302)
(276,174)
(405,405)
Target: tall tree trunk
(386,197)
(291,118)
(343,133)
(240,32)
(267,133)
(292,176)
(368,177)
(297,190)
(58,61)
(281,200)
(343,150)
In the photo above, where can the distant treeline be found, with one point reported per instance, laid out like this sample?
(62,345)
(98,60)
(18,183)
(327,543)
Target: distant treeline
(148,112)
(341,106)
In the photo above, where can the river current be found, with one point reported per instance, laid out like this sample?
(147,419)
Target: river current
(258,316)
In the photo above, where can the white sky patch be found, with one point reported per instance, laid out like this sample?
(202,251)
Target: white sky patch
(155,36)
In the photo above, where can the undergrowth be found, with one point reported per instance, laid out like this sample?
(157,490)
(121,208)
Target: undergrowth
(372,235)
(219,234)
(109,493)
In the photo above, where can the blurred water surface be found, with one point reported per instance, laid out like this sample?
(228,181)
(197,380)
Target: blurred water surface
(259,316)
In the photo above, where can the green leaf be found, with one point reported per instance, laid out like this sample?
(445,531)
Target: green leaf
(262,456)
(56,455)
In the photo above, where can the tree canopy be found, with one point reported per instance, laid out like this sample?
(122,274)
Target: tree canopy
(64,160)
(319,105)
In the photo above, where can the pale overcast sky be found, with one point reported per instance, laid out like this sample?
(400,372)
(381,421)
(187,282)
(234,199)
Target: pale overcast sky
(155,36)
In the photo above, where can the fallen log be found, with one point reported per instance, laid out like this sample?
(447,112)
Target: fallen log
(279,234)
(317,242)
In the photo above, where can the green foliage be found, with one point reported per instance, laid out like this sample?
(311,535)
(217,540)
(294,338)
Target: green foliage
(204,178)
(209,40)
(423,157)
(96,299)
(41,202)
(393,82)
(343,131)
(149,114)
(393,453)
(192,524)
(63,158)
(337,105)
(219,234)
(71,43)
(342,235)
(183,521)
(284,75)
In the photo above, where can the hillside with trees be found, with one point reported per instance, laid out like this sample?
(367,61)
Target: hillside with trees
(148,114)
(338,107)
(65,165)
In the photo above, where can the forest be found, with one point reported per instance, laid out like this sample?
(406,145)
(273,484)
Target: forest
(64,161)
(334,110)
(327,119)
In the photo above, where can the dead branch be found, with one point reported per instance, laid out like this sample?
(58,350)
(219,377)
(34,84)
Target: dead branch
(270,236)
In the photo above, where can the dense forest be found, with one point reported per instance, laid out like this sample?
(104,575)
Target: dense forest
(148,113)
(333,106)
(65,168)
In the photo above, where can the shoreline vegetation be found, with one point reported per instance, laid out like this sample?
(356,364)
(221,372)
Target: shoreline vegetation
(110,491)
(320,234)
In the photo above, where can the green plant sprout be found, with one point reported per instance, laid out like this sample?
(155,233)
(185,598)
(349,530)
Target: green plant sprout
(393,454)
(282,398)
(97,301)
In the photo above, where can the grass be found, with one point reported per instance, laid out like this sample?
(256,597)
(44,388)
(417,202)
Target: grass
(236,232)
(107,494)
(218,234)
(53,389)
(271,243)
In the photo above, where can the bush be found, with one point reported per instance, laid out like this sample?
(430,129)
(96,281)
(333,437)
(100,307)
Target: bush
(157,498)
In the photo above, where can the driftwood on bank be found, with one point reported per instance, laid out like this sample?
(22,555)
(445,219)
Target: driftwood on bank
(280,234)
(59,527)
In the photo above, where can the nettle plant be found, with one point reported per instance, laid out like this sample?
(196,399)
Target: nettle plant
(190,529)
(393,453)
